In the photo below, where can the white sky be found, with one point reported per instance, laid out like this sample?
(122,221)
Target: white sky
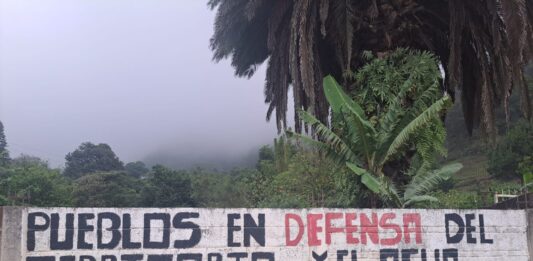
(136,74)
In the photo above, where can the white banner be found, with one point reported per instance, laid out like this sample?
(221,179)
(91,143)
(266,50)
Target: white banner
(68,234)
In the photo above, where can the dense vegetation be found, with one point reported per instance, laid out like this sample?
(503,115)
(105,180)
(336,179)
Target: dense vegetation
(384,145)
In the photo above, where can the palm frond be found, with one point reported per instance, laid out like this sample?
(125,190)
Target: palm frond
(340,102)
(425,181)
(330,139)
(419,122)
(418,199)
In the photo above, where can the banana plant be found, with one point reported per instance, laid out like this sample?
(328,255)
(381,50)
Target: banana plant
(366,148)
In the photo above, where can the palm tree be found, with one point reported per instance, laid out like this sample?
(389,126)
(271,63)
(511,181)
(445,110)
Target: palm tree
(483,46)
(367,148)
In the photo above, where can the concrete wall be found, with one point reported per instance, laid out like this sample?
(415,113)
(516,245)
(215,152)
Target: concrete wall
(65,234)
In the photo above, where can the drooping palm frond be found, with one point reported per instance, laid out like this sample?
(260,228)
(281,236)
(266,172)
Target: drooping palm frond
(419,199)
(354,115)
(424,181)
(380,185)
(365,154)
(389,149)
(331,142)
(482,45)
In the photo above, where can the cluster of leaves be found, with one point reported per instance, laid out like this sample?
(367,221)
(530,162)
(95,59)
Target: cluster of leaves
(406,82)
(388,126)
(35,183)
(511,157)
(29,181)
(291,175)
(94,177)
(90,158)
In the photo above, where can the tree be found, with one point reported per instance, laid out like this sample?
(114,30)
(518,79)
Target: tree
(308,181)
(33,183)
(107,189)
(366,148)
(4,153)
(136,169)
(91,158)
(482,46)
(167,188)
(219,190)
(515,146)
(25,160)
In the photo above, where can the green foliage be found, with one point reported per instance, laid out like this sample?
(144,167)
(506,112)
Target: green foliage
(167,188)
(266,153)
(219,190)
(454,199)
(308,181)
(27,160)
(4,153)
(409,120)
(90,158)
(257,186)
(107,189)
(297,177)
(517,144)
(33,183)
(525,167)
(511,187)
(136,169)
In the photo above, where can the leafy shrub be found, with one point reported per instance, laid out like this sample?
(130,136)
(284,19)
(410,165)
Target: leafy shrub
(455,199)
(107,189)
(511,150)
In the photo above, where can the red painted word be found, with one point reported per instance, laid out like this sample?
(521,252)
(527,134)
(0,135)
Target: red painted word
(357,228)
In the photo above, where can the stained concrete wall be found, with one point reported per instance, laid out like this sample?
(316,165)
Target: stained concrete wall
(65,234)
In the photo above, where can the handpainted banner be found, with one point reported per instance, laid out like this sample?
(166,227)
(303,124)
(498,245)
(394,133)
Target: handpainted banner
(66,234)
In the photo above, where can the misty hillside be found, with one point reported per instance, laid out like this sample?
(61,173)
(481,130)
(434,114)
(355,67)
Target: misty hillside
(196,156)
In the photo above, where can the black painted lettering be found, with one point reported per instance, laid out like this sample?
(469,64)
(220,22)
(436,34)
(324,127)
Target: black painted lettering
(126,234)
(354,255)
(109,258)
(322,257)
(341,254)
(160,257)
(385,254)
(423,255)
(114,229)
(131,257)
(190,257)
(179,223)
(84,227)
(68,243)
(255,230)
(165,240)
(238,255)
(87,258)
(33,227)
(256,256)
(233,228)
(458,220)
(407,253)
(450,253)
(67,258)
(482,237)
(470,229)
(41,258)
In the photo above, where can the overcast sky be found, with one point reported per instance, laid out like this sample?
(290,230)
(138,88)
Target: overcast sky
(136,74)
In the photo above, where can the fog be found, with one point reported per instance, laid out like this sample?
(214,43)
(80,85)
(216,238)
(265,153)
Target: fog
(136,74)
